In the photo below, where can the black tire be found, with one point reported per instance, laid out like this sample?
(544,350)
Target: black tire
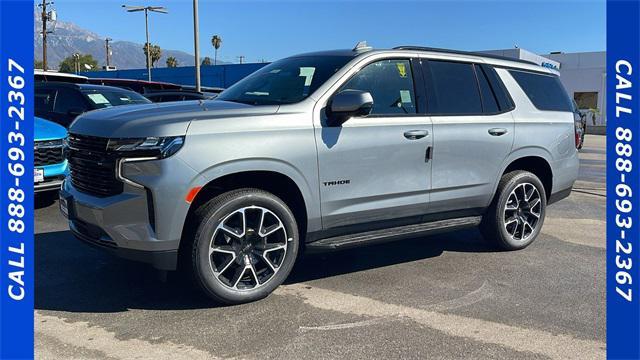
(208,219)
(497,229)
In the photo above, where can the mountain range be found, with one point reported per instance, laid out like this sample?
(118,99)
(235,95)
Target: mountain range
(68,38)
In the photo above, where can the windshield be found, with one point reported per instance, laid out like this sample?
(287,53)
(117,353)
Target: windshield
(106,98)
(285,81)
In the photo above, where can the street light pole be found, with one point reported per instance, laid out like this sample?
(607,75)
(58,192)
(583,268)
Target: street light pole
(196,41)
(148,45)
(146,9)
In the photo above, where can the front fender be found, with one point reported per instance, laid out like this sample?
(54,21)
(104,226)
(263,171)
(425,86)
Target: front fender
(308,186)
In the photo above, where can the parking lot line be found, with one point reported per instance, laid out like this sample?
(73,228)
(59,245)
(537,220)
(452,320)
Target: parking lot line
(95,339)
(555,346)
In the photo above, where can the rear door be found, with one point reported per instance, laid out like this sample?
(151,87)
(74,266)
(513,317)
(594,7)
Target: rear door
(375,168)
(473,132)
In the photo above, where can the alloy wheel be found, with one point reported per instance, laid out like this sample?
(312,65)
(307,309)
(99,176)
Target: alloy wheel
(522,211)
(248,248)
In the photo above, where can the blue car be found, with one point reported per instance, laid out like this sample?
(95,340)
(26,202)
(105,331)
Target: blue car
(50,165)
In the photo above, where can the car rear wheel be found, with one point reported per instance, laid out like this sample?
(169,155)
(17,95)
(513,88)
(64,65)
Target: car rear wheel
(515,217)
(245,246)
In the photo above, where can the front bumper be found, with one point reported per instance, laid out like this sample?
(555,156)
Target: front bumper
(144,222)
(53,176)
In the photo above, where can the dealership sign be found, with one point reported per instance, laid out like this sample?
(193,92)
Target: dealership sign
(16,179)
(623,180)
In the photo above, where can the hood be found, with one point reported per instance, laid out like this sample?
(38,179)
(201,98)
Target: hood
(158,119)
(44,130)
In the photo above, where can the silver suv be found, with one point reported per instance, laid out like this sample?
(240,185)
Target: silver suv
(323,151)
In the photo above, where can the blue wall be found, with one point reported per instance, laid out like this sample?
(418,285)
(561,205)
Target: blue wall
(215,76)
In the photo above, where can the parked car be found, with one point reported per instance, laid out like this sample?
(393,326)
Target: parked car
(63,102)
(139,86)
(50,75)
(175,95)
(319,152)
(50,165)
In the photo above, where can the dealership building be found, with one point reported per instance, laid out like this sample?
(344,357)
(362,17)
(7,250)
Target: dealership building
(583,74)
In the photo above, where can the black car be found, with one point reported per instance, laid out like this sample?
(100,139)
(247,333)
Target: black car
(63,102)
(179,95)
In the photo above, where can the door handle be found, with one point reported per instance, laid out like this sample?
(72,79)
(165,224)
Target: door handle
(497,131)
(415,134)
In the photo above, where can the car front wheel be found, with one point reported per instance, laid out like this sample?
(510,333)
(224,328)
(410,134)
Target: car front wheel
(245,246)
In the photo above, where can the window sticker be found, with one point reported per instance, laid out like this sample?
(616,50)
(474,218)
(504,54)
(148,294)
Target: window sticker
(307,72)
(402,70)
(98,99)
(405,96)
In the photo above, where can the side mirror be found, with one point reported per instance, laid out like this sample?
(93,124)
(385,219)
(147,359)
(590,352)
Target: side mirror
(347,104)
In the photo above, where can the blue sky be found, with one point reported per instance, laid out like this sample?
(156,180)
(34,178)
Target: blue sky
(273,29)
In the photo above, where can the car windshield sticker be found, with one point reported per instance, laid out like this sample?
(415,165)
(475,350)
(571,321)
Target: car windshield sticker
(307,72)
(98,99)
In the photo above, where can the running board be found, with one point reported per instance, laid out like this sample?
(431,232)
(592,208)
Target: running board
(391,234)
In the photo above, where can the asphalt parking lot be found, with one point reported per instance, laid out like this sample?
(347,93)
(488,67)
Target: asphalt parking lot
(445,296)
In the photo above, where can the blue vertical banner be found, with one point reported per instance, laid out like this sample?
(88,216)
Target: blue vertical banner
(623,182)
(16,179)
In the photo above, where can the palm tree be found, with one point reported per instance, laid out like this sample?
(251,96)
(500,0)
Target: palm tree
(172,62)
(206,61)
(216,41)
(155,55)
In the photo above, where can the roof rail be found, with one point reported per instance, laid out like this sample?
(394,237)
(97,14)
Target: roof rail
(460,52)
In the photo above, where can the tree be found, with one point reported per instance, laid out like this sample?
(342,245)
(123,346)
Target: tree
(206,61)
(155,54)
(216,41)
(38,64)
(68,65)
(172,62)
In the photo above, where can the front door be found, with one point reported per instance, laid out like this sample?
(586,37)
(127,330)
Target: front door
(376,168)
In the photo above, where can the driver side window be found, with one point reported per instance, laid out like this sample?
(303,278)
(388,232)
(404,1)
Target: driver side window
(390,83)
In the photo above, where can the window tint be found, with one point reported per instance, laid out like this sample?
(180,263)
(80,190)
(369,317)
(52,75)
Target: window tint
(489,102)
(390,83)
(544,91)
(44,99)
(504,100)
(452,88)
(67,100)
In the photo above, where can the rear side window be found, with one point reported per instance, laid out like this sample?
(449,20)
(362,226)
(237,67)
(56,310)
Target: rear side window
(545,91)
(499,90)
(452,88)
(489,102)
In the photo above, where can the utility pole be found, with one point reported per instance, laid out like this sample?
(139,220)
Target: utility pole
(45,17)
(76,62)
(241,58)
(146,9)
(106,46)
(196,41)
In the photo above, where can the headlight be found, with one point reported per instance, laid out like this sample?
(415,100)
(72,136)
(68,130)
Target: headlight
(160,147)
